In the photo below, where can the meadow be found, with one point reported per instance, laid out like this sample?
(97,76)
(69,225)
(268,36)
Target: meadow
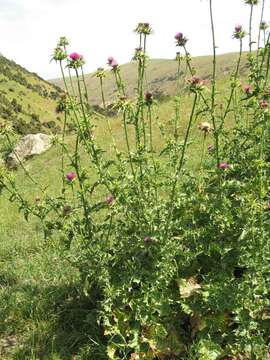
(144,235)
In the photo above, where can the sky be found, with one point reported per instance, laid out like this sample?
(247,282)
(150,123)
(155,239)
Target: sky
(97,29)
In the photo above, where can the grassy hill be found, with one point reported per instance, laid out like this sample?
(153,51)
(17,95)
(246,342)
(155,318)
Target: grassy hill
(26,101)
(160,77)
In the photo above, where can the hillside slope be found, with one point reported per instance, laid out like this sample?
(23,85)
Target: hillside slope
(26,101)
(160,76)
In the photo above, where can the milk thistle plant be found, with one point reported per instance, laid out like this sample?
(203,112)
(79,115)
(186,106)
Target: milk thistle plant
(174,260)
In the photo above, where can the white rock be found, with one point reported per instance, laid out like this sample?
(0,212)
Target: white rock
(29,145)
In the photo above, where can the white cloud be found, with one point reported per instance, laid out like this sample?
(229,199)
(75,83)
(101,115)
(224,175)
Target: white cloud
(100,28)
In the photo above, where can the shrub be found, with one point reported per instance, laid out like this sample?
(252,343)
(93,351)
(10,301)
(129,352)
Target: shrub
(176,260)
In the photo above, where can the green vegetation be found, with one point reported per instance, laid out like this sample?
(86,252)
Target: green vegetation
(27,102)
(155,221)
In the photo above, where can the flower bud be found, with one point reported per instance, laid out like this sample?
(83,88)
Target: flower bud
(148,96)
(264,26)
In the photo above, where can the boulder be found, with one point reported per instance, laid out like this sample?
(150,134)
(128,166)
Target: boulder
(29,145)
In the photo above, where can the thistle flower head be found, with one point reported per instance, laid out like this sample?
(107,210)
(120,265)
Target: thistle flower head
(264,104)
(70,176)
(196,83)
(148,96)
(205,127)
(109,199)
(143,28)
(139,54)
(110,60)
(180,39)
(148,240)
(75,60)
(251,2)
(247,89)
(75,56)
(63,41)
(195,80)
(59,54)
(239,32)
(224,165)
(100,73)
(263,25)
(112,63)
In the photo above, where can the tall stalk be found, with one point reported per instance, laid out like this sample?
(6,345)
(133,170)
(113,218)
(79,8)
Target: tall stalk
(70,77)
(250,27)
(180,164)
(102,92)
(261,19)
(235,76)
(213,92)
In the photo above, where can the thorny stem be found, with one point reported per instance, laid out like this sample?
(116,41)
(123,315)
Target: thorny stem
(177,107)
(70,77)
(233,86)
(128,146)
(62,157)
(102,92)
(85,87)
(181,162)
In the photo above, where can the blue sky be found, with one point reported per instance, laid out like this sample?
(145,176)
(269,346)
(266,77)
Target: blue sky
(101,28)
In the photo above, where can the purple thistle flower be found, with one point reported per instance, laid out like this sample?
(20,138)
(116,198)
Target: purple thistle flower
(70,176)
(247,89)
(224,165)
(109,200)
(264,104)
(75,56)
(239,32)
(148,97)
(178,36)
(114,64)
(238,28)
(110,60)
(195,80)
(180,39)
(148,240)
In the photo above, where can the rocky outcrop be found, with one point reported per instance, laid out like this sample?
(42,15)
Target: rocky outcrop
(28,146)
